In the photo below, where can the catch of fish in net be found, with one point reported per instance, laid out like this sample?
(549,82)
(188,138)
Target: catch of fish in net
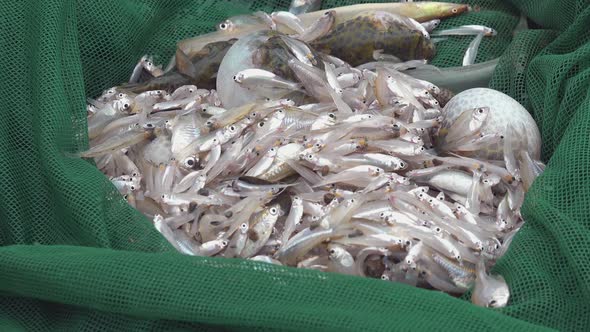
(305,141)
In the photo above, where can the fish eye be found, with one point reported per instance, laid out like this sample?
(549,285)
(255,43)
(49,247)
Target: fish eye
(235,78)
(132,188)
(190,162)
(134,174)
(163,196)
(261,124)
(223,26)
(408,242)
(431,201)
(224,243)
(480,110)
(437,229)
(149,125)
(422,149)
(395,125)
(454,10)
(384,277)
(402,165)
(501,136)
(332,115)
(125,197)
(326,13)
(243,226)
(492,303)
(273,210)
(332,251)
(121,95)
(232,128)
(125,106)
(458,257)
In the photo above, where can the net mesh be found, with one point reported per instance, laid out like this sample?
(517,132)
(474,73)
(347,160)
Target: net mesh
(75,256)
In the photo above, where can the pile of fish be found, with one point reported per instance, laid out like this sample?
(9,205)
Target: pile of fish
(311,156)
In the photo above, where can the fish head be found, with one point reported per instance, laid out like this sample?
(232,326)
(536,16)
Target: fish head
(491,180)
(211,123)
(418,150)
(274,210)
(226,25)
(375,171)
(244,228)
(490,32)
(317,147)
(124,104)
(239,77)
(107,95)
(335,252)
(439,10)
(480,113)
(190,162)
(497,293)
(402,180)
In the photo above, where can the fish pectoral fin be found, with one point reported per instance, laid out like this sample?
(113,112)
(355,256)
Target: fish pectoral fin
(184,64)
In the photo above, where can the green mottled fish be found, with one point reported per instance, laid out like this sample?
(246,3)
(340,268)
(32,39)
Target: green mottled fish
(420,11)
(355,40)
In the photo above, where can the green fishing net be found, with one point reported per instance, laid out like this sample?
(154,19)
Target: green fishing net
(75,256)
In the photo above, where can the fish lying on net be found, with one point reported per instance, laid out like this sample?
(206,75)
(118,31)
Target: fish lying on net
(369,177)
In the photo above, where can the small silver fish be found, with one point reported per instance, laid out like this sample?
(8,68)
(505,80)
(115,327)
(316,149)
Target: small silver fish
(472,50)
(489,291)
